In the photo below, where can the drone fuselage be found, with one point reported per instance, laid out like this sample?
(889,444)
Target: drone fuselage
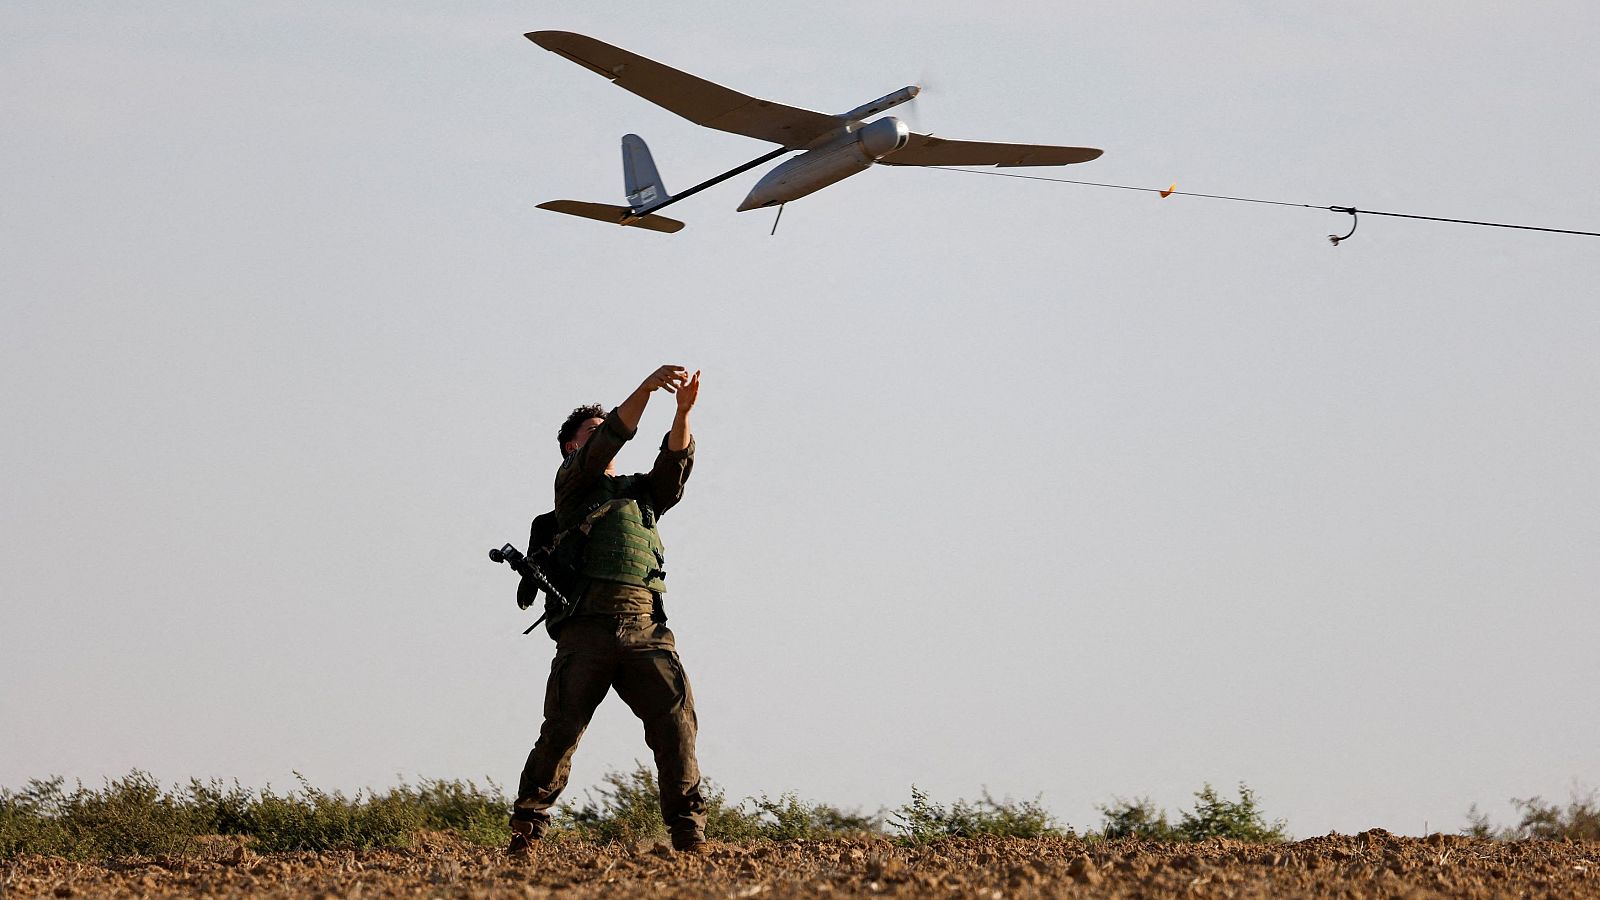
(851,151)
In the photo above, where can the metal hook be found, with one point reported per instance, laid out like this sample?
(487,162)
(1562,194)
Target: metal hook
(1336,239)
(776,221)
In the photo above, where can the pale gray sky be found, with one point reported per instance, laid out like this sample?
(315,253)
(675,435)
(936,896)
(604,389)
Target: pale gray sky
(1002,485)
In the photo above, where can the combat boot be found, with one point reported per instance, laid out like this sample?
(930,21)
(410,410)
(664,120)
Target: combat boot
(522,839)
(690,842)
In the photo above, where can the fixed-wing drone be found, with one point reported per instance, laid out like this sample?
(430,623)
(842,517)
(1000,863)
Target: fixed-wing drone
(831,147)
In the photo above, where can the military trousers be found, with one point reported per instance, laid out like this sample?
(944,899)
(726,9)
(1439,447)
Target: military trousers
(638,657)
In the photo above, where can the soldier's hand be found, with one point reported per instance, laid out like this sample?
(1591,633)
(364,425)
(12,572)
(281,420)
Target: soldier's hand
(689,393)
(667,378)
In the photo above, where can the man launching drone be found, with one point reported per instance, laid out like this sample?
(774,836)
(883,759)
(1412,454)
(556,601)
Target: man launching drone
(616,635)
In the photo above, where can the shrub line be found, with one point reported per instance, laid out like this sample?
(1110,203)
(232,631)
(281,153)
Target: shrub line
(136,816)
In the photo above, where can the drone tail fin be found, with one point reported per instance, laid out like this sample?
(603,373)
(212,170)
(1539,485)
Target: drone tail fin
(645,191)
(639,175)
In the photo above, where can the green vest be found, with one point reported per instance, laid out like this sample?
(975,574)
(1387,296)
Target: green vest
(624,545)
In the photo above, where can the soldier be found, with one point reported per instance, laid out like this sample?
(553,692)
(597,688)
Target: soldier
(617,636)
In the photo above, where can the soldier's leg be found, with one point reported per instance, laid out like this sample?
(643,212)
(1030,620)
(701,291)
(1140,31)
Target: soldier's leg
(653,684)
(578,682)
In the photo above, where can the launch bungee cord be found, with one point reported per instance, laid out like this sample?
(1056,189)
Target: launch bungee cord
(1336,239)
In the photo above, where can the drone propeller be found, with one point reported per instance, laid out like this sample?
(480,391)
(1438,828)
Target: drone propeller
(913,108)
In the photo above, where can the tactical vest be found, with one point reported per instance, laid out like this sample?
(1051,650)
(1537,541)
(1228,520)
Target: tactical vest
(624,545)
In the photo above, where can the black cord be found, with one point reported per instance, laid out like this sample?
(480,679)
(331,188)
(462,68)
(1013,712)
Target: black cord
(1344,209)
(1471,222)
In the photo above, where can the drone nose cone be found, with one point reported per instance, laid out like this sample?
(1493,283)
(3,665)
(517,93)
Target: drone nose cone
(770,190)
(754,200)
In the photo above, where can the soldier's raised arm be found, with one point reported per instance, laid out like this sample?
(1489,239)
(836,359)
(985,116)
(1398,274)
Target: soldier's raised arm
(680,436)
(676,459)
(598,445)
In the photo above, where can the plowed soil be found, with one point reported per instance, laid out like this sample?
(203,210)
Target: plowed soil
(1372,864)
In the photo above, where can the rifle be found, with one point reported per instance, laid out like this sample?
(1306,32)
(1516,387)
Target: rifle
(557,604)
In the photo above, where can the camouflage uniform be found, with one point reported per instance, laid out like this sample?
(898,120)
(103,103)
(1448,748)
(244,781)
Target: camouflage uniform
(618,637)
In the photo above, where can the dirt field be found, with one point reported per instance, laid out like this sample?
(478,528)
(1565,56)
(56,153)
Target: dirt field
(1373,864)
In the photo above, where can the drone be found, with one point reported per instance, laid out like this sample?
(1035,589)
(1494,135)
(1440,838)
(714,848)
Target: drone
(831,148)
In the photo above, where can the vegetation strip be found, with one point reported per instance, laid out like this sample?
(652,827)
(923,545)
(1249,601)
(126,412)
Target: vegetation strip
(136,816)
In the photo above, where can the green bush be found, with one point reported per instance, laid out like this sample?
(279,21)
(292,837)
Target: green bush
(627,807)
(30,819)
(730,821)
(788,818)
(132,816)
(317,820)
(129,816)
(135,816)
(1136,819)
(1240,820)
(478,815)
(220,810)
(922,821)
(1212,816)
(1579,820)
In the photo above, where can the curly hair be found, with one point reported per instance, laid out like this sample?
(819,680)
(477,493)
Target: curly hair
(569,428)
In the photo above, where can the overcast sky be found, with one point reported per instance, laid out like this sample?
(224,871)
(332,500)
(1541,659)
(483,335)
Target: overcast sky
(1039,489)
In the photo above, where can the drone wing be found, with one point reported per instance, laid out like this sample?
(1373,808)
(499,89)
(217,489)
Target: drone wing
(927,150)
(701,102)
